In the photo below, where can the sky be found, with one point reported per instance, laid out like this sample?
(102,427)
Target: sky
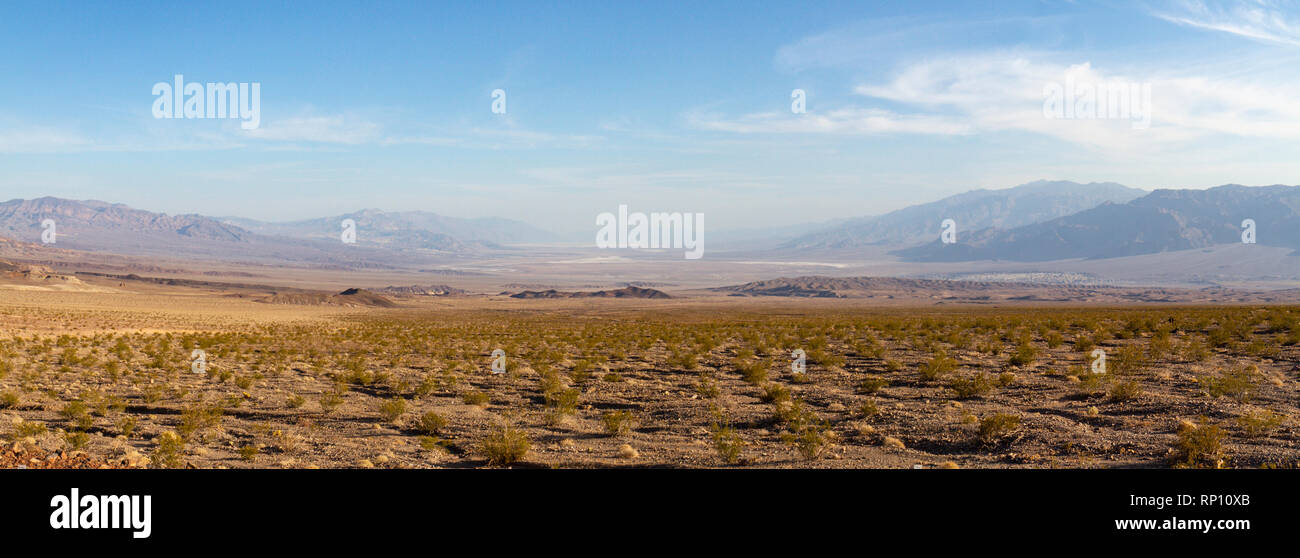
(662,106)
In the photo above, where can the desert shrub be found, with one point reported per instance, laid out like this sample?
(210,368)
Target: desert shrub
(564,401)
(1196,351)
(198,418)
(1125,390)
(1238,383)
(727,443)
(1218,337)
(8,400)
(392,409)
(823,357)
(872,384)
(78,414)
(1127,360)
(432,423)
(938,366)
(506,445)
(295,401)
(581,371)
(1025,354)
(707,387)
(1198,444)
(751,371)
(248,452)
(26,429)
(477,398)
(152,394)
(618,423)
(1259,423)
(126,425)
(330,400)
(1090,383)
(168,452)
(868,409)
(774,392)
(1262,348)
(975,386)
(996,426)
(811,439)
(683,360)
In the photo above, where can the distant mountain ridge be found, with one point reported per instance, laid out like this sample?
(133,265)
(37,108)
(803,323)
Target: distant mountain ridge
(384,239)
(21,219)
(406,229)
(1162,221)
(1008,208)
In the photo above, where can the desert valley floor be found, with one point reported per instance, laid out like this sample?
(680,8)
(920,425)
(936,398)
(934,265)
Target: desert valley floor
(105,375)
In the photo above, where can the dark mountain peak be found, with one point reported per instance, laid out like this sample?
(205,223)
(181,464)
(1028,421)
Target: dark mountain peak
(1163,221)
(1025,204)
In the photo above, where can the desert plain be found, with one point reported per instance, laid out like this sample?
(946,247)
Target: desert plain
(113,370)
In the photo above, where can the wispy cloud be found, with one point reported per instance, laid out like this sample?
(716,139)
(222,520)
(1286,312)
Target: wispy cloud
(995,92)
(847,121)
(340,129)
(42,140)
(1261,20)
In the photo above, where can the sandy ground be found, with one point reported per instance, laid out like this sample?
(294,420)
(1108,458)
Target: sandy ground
(111,374)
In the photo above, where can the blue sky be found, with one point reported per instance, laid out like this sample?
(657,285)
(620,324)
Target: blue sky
(662,106)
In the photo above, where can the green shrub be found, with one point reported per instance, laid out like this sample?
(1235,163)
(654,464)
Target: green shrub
(618,423)
(506,445)
(1199,445)
(976,386)
(1259,423)
(432,423)
(169,448)
(392,409)
(997,425)
(727,443)
(1238,383)
(1125,390)
(477,398)
(872,384)
(938,366)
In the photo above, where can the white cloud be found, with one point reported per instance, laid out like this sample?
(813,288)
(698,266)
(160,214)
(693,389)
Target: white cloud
(321,129)
(851,120)
(1261,20)
(42,140)
(995,92)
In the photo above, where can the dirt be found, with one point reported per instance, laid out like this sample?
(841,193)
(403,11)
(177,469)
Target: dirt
(270,369)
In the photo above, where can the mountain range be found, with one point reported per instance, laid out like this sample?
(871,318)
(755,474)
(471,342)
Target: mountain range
(406,230)
(1036,222)
(1162,221)
(978,209)
(383,239)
